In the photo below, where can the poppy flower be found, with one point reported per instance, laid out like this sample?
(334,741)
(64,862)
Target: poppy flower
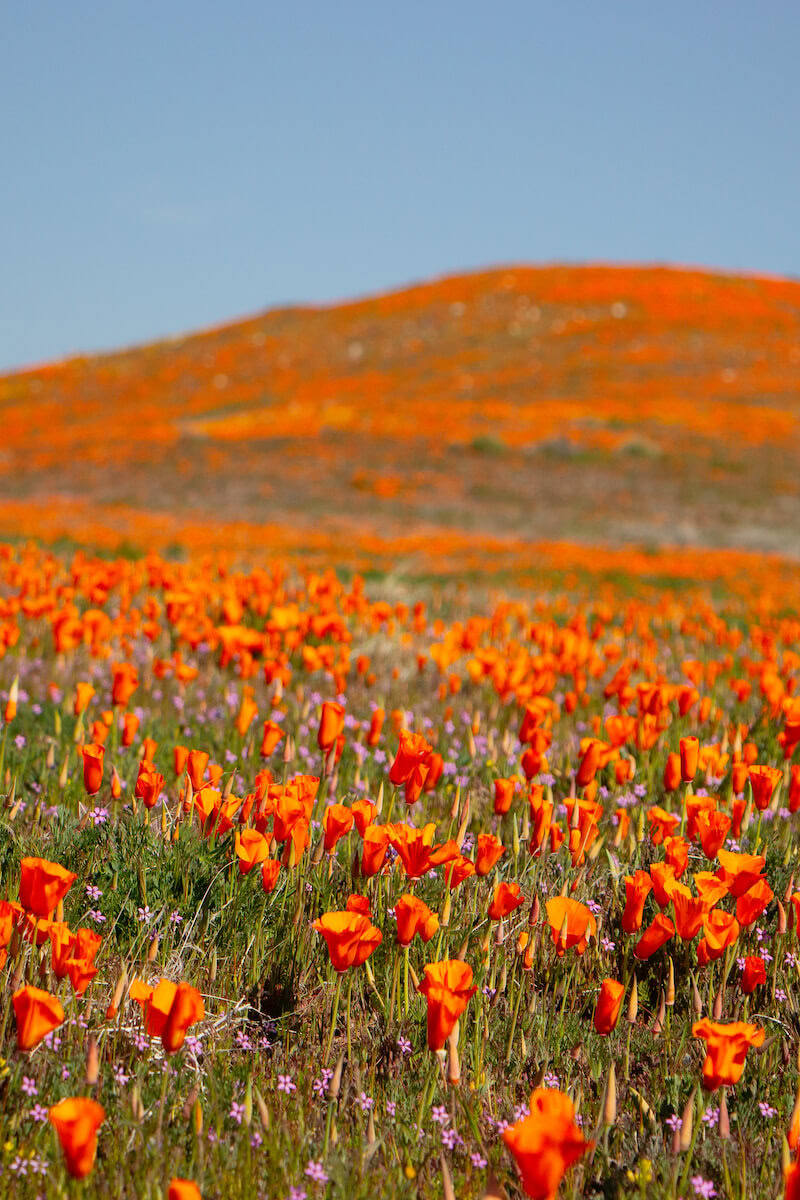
(726,1050)
(269,874)
(740,871)
(124,682)
(76,1121)
(180,755)
(763,781)
(130,724)
(587,768)
(358,904)
(637,889)
(83,694)
(247,712)
(754,974)
(447,986)
(183,1189)
(751,905)
(657,934)
(721,931)
(490,850)
(337,822)
(350,937)
(546,1143)
(506,898)
(676,854)
(664,883)
(457,869)
(413,752)
(364,813)
(435,770)
(414,847)
(170,1010)
(662,824)
(414,917)
(672,772)
(43,885)
(331,724)
(710,887)
(252,848)
(609,1003)
(149,784)
(503,795)
(377,839)
(38,1013)
(196,764)
(571,924)
(375,726)
(689,912)
(689,753)
(270,738)
(93,767)
(712,830)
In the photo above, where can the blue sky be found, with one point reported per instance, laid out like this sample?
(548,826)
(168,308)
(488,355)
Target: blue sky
(169,166)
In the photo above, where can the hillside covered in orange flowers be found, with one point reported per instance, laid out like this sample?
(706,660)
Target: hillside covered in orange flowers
(489,422)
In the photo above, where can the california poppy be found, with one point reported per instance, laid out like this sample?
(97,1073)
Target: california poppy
(657,934)
(252,848)
(170,1010)
(337,822)
(183,1189)
(754,973)
(93,767)
(76,1121)
(350,937)
(609,1002)
(42,885)
(38,1013)
(689,751)
(124,682)
(763,781)
(490,850)
(571,924)
(331,724)
(721,930)
(414,917)
(447,986)
(196,763)
(507,897)
(269,874)
(546,1143)
(503,795)
(413,753)
(270,738)
(637,889)
(726,1050)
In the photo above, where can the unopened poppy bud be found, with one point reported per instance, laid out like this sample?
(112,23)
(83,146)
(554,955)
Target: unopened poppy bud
(336,1079)
(687,1123)
(724,1124)
(92,1062)
(669,999)
(263,1111)
(448,1192)
(610,1099)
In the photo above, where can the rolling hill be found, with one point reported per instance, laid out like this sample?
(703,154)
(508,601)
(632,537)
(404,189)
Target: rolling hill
(480,423)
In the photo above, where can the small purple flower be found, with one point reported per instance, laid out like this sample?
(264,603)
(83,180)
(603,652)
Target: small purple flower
(316,1171)
(29,1086)
(237,1112)
(286,1084)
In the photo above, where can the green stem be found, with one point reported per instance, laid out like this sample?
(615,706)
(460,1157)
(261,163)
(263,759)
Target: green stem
(334,1016)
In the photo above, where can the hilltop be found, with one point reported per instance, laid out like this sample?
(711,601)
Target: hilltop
(479,420)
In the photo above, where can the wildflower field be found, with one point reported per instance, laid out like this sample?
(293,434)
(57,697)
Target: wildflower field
(353,856)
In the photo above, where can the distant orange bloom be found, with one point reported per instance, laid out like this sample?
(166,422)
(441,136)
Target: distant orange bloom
(447,986)
(76,1121)
(196,764)
(689,753)
(124,682)
(662,824)
(726,1050)
(271,736)
(672,772)
(170,1010)
(183,1189)
(337,823)
(331,724)
(503,795)
(83,694)
(130,724)
(546,1143)
(269,874)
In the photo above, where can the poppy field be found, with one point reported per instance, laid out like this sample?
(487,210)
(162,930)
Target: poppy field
(313,887)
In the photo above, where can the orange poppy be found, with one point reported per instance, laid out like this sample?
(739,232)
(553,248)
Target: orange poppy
(571,924)
(609,1003)
(546,1143)
(76,1121)
(754,974)
(38,1013)
(657,934)
(43,885)
(331,724)
(413,753)
(252,848)
(350,937)
(490,851)
(196,763)
(270,738)
(726,1050)
(170,1010)
(764,781)
(93,767)
(269,874)
(447,986)
(689,753)
(414,917)
(637,889)
(337,822)
(183,1189)
(506,898)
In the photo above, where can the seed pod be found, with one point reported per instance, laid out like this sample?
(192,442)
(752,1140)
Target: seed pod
(718,1005)
(724,1124)
(447,1182)
(371,1139)
(453,1061)
(92,1062)
(658,1024)
(697,1003)
(263,1111)
(610,1099)
(633,1002)
(336,1079)
(687,1123)
(669,999)
(152,950)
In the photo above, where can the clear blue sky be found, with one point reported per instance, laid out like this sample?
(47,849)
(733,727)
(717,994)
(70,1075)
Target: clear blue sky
(170,165)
